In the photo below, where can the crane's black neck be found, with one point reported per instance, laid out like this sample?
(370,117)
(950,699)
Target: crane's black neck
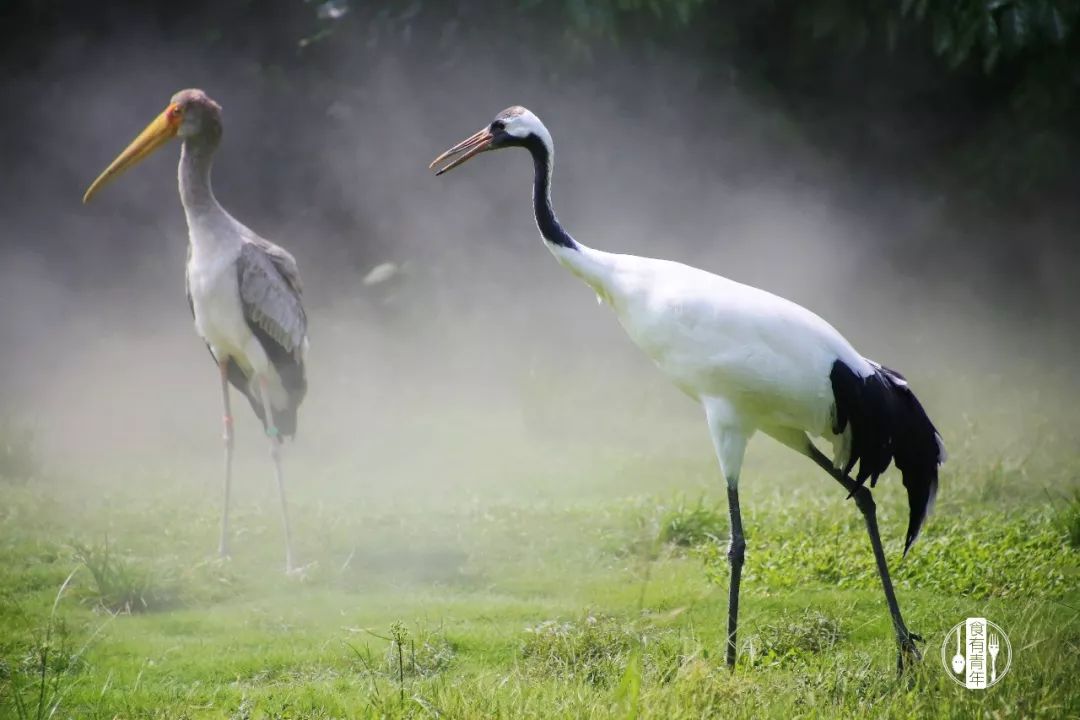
(550,227)
(196,160)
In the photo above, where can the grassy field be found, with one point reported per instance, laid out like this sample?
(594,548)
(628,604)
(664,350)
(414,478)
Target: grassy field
(594,588)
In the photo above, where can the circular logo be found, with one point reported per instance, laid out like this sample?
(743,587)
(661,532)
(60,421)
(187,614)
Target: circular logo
(976,653)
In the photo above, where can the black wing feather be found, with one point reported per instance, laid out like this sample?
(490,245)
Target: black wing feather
(888,424)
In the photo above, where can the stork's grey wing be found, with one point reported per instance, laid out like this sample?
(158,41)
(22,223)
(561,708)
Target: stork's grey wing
(282,259)
(270,294)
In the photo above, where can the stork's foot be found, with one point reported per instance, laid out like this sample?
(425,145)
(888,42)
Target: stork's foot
(223,552)
(908,654)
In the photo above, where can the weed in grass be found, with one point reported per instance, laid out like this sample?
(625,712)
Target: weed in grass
(243,711)
(119,584)
(399,635)
(714,689)
(793,637)
(39,682)
(1067,520)
(411,654)
(373,696)
(51,652)
(687,526)
(417,653)
(48,670)
(429,654)
(598,650)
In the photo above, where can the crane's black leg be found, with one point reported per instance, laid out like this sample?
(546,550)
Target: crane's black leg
(735,553)
(864,500)
(275,453)
(729,440)
(227,436)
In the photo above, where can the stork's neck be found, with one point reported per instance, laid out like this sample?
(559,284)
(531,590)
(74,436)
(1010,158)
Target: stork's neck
(196,193)
(212,231)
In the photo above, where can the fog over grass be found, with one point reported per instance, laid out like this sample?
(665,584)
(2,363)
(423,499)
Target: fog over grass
(481,349)
(484,461)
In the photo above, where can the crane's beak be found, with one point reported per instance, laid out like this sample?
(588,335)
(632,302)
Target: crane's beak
(160,131)
(465,150)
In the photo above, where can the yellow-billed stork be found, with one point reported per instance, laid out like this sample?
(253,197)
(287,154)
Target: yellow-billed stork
(244,291)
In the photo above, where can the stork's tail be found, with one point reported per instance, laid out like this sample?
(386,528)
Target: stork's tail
(888,424)
(284,418)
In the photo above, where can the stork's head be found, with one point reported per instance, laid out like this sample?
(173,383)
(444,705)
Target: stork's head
(513,127)
(190,113)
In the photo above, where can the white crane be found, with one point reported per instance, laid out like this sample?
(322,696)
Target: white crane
(755,362)
(244,291)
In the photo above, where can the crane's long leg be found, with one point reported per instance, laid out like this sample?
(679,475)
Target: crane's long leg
(864,500)
(736,552)
(730,440)
(275,453)
(227,436)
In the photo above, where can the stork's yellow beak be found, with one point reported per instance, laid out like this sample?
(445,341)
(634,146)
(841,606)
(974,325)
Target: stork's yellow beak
(465,150)
(160,131)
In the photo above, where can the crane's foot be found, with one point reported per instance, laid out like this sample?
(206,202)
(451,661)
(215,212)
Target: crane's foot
(907,655)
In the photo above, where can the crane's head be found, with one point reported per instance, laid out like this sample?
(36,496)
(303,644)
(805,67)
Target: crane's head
(513,127)
(190,113)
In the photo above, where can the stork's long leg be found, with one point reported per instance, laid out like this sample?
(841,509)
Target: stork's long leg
(227,436)
(730,440)
(864,500)
(275,453)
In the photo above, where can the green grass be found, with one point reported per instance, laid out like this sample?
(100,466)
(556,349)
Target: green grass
(599,595)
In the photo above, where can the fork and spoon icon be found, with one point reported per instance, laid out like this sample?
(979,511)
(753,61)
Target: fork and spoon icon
(959,662)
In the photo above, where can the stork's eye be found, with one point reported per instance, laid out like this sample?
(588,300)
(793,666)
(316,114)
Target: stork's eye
(174,112)
(498,126)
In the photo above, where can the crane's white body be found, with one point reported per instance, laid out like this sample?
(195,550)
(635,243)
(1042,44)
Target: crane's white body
(755,362)
(758,359)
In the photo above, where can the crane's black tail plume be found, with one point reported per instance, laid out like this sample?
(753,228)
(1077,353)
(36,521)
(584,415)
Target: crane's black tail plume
(888,424)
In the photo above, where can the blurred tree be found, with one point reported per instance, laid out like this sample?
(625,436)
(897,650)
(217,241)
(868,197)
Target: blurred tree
(990,86)
(974,99)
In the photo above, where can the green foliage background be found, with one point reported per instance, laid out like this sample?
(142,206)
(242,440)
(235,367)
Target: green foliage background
(987,88)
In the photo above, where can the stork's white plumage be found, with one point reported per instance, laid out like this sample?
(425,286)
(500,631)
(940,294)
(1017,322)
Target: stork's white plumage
(755,362)
(244,291)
